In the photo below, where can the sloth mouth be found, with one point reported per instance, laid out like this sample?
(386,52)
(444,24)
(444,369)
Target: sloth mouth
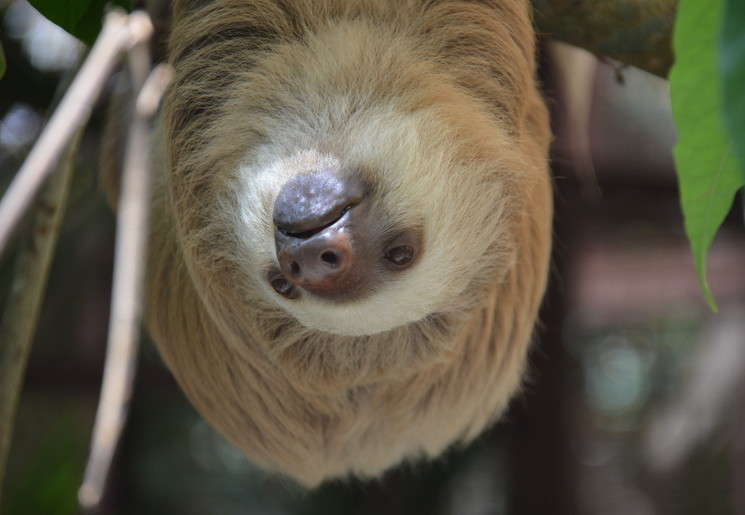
(310,203)
(309,233)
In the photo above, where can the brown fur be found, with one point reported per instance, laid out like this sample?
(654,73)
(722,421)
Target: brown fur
(434,102)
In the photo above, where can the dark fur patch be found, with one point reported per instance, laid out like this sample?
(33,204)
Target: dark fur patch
(255,36)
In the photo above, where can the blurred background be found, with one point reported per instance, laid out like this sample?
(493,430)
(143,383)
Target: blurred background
(636,397)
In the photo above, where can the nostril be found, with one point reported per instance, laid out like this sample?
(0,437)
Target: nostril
(294,268)
(282,286)
(331,258)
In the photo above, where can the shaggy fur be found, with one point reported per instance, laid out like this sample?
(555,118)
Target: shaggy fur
(435,105)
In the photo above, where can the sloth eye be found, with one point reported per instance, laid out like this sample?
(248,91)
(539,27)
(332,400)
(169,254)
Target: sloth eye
(401,256)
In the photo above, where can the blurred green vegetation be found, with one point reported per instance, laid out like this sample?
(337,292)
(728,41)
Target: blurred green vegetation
(48,453)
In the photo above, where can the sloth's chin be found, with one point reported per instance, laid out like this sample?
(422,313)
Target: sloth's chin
(357,319)
(353,327)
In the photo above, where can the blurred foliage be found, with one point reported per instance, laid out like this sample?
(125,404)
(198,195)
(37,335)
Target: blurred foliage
(610,436)
(707,168)
(732,60)
(46,460)
(2,62)
(705,490)
(81,18)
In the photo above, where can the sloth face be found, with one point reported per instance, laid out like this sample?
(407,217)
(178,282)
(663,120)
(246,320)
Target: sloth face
(378,234)
(362,205)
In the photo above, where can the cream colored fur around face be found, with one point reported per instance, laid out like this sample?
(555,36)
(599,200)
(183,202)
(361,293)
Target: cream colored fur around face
(434,104)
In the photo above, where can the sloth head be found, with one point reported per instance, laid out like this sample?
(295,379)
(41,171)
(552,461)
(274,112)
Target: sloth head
(354,206)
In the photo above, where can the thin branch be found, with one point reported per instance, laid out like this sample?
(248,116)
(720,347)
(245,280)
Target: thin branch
(73,112)
(27,293)
(129,277)
(120,32)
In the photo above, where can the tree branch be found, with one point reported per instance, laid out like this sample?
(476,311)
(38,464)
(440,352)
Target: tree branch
(635,32)
(19,321)
(129,272)
(72,112)
(27,293)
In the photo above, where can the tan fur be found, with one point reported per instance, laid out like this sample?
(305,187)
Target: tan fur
(434,103)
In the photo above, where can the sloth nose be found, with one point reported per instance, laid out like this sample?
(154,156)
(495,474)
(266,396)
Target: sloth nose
(320,263)
(321,236)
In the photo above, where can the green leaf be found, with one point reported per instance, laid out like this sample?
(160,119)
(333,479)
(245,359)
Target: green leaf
(81,18)
(707,169)
(732,67)
(2,62)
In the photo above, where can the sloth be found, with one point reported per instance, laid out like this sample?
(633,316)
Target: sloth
(351,224)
